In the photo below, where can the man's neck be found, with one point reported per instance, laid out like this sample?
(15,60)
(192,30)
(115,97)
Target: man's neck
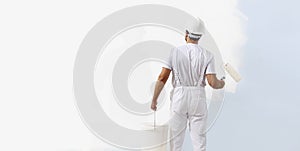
(192,42)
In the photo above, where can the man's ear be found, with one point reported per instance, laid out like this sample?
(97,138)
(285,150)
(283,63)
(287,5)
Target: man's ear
(186,36)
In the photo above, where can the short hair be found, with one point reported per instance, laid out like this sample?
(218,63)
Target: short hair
(195,39)
(193,36)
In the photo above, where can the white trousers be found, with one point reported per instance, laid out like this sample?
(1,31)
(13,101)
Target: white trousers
(188,108)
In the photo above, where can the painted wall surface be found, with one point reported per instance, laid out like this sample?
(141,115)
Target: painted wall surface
(39,45)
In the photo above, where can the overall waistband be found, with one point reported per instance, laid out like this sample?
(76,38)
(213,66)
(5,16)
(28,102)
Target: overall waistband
(190,87)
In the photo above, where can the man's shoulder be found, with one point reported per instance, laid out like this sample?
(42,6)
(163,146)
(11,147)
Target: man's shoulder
(180,47)
(205,51)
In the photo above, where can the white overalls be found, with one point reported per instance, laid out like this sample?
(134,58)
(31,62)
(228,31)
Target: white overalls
(189,64)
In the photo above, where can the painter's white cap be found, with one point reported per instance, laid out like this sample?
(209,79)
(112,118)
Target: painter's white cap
(196,27)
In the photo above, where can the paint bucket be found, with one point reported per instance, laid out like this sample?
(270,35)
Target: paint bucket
(161,133)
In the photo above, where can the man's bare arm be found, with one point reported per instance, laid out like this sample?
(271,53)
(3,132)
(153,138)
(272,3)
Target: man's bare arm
(214,82)
(161,81)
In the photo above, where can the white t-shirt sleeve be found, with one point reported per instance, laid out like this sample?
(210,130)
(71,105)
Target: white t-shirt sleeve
(168,62)
(210,69)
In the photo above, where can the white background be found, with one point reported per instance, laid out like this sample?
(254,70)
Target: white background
(39,41)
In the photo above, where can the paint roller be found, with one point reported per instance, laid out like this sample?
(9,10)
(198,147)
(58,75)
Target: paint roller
(232,72)
(154,120)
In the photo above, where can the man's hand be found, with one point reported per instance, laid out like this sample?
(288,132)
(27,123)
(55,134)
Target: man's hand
(214,82)
(162,79)
(153,105)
